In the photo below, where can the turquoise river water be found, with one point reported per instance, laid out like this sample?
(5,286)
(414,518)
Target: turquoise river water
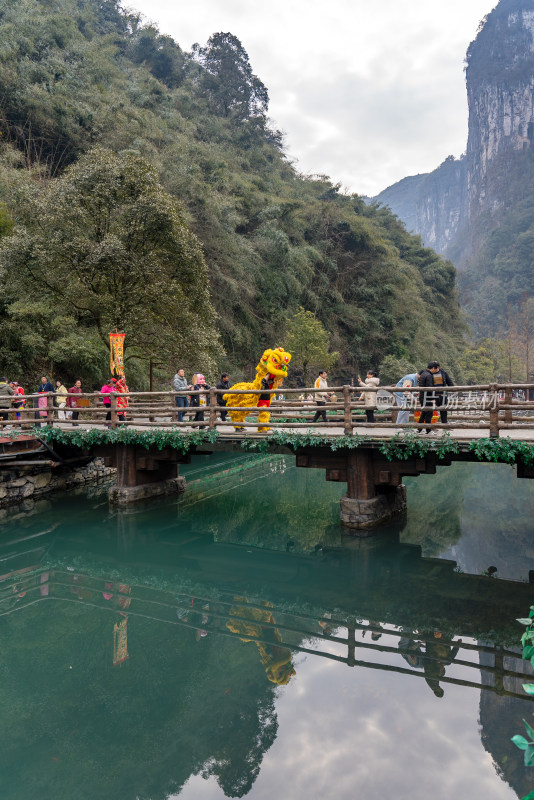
(234,642)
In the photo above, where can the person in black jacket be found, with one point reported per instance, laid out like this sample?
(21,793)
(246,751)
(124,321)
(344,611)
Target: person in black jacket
(223,385)
(198,400)
(433,376)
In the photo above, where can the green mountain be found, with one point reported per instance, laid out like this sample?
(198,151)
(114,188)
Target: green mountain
(84,74)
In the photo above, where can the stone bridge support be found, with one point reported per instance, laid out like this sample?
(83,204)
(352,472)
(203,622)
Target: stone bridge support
(375,492)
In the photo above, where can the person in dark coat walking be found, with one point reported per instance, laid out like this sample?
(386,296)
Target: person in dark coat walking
(223,385)
(433,376)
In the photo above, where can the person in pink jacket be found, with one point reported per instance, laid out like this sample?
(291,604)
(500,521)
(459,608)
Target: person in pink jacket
(105,391)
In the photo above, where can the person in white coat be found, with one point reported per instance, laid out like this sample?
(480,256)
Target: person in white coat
(369,398)
(321,396)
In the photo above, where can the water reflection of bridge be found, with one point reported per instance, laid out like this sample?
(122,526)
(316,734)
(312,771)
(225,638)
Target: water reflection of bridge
(298,633)
(172,594)
(335,603)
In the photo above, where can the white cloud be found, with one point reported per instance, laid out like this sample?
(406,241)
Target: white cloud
(365,92)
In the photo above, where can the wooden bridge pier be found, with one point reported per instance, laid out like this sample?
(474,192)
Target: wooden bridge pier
(142,473)
(375,492)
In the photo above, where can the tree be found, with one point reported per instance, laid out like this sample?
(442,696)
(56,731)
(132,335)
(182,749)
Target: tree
(490,360)
(308,342)
(228,80)
(108,246)
(393,368)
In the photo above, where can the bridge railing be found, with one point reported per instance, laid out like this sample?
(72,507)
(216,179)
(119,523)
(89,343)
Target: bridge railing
(489,408)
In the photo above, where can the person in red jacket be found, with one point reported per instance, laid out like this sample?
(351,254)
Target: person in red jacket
(72,401)
(119,386)
(19,401)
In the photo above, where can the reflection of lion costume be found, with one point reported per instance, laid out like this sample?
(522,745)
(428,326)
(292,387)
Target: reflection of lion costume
(275,659)
(270,374)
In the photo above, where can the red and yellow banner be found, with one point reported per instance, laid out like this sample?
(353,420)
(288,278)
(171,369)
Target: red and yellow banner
(116,354)
(120,642)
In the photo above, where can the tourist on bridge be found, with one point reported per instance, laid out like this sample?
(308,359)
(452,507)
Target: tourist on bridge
(6,392)
(197,399)
(180,385)
(119,385)
(72,401)
(322,396)
(433,376)
(19,401)
(44,387)
(105,392)
(223,385)
(405,399)
(61,399)
(437,656)
(369,398)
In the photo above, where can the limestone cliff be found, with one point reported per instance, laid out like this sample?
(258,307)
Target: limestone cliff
(500,92)
(444,206)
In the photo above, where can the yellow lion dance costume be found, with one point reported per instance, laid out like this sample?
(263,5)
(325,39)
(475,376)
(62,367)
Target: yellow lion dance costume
(275,658)
(270,374)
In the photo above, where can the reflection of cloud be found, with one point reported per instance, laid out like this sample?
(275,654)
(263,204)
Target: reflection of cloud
(386,79)
(349,733)
(360,733)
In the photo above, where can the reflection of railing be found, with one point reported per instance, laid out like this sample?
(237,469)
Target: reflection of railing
(488,407)
(228,478)
(299,633)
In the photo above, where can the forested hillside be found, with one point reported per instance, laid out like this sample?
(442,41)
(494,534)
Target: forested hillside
(136,176)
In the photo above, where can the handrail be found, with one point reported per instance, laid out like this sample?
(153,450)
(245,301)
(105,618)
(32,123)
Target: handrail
(488,408)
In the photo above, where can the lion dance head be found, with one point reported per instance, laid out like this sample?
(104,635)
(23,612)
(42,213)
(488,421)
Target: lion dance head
(274,362)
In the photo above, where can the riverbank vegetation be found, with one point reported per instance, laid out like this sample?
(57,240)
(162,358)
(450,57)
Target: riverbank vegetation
(243,239)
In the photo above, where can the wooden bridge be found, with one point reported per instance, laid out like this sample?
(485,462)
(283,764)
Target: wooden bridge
(374,481)
(473,411)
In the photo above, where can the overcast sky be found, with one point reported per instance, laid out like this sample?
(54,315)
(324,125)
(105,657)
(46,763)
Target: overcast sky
(366,91)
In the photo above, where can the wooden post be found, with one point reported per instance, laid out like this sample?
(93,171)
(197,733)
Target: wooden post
(494,410)
(351,645)
(360,475)
(499,671)
(508,400)
(114,416)
(213,409)
(347,413)
(50,409)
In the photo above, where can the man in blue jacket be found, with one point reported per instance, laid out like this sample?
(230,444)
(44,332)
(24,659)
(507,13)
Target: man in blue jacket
(405,400)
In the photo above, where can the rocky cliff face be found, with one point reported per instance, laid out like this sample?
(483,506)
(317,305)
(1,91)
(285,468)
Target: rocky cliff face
(500,92)
(500,88)
(430,204)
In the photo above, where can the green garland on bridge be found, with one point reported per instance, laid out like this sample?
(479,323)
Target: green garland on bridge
(405,445)
(159,437)
(400,447)
(508,451)
(297,440)
(504,450)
